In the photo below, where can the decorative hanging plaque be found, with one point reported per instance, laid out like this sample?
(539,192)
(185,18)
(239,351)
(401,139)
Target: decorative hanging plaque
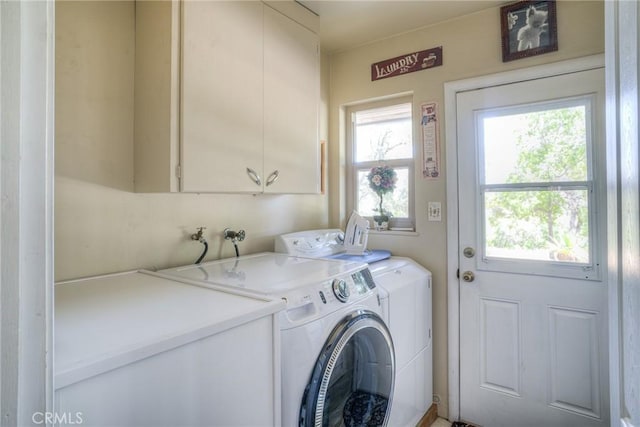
(430,141)
(408,63)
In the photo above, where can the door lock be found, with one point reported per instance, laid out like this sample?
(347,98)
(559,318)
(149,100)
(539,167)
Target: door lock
(468,276)
(469,252)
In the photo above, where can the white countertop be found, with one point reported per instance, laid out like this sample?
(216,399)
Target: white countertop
(105,322)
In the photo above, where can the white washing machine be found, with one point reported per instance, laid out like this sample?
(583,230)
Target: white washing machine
(405,291)
(338,362)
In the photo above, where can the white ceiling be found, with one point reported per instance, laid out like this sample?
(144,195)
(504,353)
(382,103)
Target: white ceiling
(348,23)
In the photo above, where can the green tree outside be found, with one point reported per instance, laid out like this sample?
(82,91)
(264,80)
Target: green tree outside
(551,147)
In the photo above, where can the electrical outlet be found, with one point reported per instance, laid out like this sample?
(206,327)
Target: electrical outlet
(435,211)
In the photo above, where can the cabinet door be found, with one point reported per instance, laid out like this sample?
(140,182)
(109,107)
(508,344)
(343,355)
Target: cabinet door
(291,96)
(222,95)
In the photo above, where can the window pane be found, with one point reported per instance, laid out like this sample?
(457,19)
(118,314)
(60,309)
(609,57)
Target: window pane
(537,146)
(383,133)
(538,225)
(396,203)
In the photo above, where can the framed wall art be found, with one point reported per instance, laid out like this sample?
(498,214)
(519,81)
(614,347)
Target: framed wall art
(528,28)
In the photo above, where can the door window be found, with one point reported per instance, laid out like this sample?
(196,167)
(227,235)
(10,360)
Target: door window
(536,186)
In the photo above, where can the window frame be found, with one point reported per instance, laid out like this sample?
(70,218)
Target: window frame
(353,167)
(588,271)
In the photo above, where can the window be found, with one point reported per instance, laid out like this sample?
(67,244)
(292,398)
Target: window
(381,134)
(537,184)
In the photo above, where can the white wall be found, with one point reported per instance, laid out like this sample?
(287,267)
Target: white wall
(101,226)
(471,47)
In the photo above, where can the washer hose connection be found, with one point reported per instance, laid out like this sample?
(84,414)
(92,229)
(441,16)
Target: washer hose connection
(199,236)
(235,237)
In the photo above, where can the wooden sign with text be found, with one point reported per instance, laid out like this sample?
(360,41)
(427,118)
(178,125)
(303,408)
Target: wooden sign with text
(408,63)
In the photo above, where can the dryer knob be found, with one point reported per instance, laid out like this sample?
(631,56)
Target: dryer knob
(340,290)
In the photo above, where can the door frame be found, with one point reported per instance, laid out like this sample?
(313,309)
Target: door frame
(622,26)
(451,89)
(27,84)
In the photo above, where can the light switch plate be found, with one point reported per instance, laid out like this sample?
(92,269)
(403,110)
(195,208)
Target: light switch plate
(435,211)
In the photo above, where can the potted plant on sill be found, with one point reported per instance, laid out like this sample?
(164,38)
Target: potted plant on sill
(382,180)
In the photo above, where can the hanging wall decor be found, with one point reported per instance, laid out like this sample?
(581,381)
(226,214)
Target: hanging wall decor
(430,140)
(407,63)
(528,28)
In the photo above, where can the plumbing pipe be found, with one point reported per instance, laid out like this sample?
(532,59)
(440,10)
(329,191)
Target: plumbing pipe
(199,236)
(204,252)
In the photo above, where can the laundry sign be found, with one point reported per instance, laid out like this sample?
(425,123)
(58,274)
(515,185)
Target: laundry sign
(408,63)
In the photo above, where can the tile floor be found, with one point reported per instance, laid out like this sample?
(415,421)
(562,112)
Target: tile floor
(441,422)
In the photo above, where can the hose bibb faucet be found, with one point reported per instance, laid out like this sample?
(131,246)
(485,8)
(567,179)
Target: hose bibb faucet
(199,236)
(235,237)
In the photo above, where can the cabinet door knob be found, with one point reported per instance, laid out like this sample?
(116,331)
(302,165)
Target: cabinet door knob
(254,176)
(273,177)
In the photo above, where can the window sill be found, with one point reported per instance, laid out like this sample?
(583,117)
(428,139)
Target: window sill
(406,233)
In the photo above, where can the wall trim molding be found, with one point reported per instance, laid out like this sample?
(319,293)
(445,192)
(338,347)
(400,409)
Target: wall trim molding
(27,85)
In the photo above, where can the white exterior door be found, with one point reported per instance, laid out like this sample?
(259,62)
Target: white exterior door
(533,302)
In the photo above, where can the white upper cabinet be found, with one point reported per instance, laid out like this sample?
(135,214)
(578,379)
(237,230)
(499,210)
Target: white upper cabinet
(291,95)
(249,82)
(222,95)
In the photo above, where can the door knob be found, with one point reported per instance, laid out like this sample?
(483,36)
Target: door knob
(468,276)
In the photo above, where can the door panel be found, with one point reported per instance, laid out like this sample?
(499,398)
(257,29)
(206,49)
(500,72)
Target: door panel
(574,381)
(533,308)
(500,345)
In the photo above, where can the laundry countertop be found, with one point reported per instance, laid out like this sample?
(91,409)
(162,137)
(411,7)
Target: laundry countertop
(105,322)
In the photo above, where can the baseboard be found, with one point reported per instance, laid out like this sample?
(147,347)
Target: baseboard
(429,416)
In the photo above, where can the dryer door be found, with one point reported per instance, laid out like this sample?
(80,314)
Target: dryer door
(352,381)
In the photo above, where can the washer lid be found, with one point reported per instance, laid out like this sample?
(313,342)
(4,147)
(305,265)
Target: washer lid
(267,273)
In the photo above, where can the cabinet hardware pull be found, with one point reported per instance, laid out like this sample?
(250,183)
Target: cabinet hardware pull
(273,177)
(254,176)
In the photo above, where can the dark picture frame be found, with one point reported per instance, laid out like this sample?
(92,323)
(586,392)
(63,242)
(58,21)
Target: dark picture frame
(528,28)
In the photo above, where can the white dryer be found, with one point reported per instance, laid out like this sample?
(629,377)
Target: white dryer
(405,291)
(338,362)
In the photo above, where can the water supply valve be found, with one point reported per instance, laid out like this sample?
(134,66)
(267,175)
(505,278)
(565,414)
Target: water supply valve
(234,236)
(199,235)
